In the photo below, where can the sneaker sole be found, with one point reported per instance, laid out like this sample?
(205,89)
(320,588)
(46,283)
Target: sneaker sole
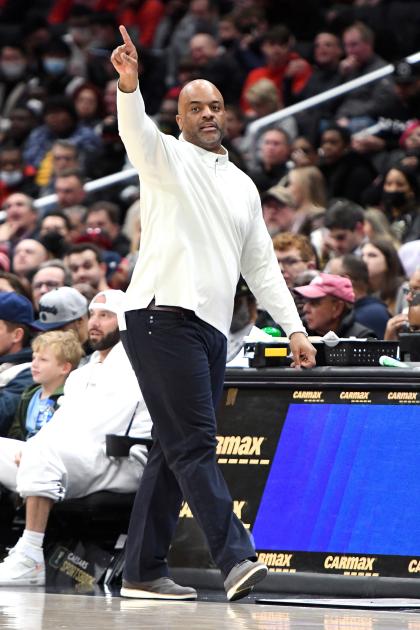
(246,584)
(139,594)
(24,582)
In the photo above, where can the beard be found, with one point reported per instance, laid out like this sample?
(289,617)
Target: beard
(108,341)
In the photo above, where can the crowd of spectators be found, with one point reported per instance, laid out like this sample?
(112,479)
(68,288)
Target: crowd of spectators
(339,182)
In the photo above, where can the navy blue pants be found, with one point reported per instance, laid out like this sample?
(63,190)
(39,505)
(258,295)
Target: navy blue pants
(179,361)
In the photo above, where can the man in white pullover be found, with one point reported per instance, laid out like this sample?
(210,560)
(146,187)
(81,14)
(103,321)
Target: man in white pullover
(67,457)
(202,226)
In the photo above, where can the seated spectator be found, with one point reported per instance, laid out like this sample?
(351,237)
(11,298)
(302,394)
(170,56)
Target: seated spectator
(303,152)
(54,355)
(286,69)
(325,76)
(344,222)
(278,210)
(395,117)
(77,216)
(51,274)
(243,319)
(200,17)
(401,203)
(347,173)
(21,220)
(376,225)
(27,257)
(64,156)
(86,265)
(307,187)
(369,309)
(165,119)
(14,75)
(274,153)
(16,320)
(264,100)
(10,283)
(88,103)
(216,66)
(22,120)
(362,107)
(66,458)
(55,77)
(69,188)
(386,273)
(105,216)
(329,306)
(400,322)
(14,175)
(295,254)
(55,233)
(59,122)
(64,308)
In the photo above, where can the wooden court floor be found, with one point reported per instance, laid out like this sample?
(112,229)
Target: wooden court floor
(32,609)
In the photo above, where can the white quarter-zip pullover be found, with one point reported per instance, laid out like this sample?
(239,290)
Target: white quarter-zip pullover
(202,226)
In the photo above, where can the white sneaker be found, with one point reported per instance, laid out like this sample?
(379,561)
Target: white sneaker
(18,569)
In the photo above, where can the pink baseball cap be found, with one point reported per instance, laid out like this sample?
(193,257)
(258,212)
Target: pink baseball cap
(328,284)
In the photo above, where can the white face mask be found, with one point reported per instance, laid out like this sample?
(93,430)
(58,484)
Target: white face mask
(12,69)
(11,178)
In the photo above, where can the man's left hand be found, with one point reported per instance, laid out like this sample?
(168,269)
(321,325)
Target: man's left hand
(302,350)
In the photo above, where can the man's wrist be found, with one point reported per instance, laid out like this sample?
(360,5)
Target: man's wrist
(302,332)
(127,86)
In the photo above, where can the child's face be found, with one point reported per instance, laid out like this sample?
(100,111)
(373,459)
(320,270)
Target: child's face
(46,368)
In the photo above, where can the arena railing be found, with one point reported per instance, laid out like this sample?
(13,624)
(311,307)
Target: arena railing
(255,127)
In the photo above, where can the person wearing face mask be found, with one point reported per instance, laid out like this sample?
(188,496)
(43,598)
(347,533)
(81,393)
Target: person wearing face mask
(15,176)
(13,77)
(399,201)
(56,77)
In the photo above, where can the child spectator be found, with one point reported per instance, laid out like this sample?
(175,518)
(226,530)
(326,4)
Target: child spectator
(54,355)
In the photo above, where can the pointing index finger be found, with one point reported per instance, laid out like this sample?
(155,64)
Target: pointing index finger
(125,36)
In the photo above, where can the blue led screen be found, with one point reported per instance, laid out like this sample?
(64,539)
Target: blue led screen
(345,478)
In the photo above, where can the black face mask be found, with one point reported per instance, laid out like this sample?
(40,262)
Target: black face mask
(54,242)
(395,199)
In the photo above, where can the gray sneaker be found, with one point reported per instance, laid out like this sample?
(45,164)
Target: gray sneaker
(162,588)
(242,579)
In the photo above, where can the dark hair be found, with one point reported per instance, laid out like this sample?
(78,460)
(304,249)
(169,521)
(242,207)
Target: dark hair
(78,248)
(355,268)
(395,272)
(16,284)
(58,213)
(56,46)
(72,172)
(58,104)
(279,34)
(343,132)
(343,214)
(27,332)
(409,174)
(111,209)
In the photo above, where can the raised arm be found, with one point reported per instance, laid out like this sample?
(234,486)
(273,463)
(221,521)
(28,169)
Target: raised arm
(145,145)
(125,61)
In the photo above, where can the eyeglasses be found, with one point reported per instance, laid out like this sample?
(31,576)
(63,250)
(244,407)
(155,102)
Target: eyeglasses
(288,261)
(414,292)
(50,284)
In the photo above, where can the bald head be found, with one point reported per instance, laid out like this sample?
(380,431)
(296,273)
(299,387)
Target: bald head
(201,115)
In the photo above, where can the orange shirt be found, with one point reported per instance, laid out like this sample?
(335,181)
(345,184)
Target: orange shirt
(276,75)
